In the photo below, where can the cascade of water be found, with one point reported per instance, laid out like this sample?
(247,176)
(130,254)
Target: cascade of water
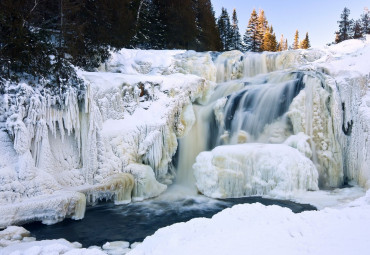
(234,65)
(192,145)
(249,111)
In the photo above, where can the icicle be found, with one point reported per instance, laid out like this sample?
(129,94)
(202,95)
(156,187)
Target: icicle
(79,207)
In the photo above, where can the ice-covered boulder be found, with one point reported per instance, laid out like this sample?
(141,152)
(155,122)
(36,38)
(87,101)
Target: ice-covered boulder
(146,186)
(254,169)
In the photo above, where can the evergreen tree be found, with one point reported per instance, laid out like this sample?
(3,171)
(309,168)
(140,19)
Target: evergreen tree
(357,30)
(365,22)
(149,28)
(225,29)
(269,40)
(282,44)
(252,35)
(296,40)
(305,44)
(120,28)
(345,24)
(208,34)
(236,39)
(262,27)
(179,18)
(81,29)
(23,47)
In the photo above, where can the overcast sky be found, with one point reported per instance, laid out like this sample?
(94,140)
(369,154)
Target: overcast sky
(317,17)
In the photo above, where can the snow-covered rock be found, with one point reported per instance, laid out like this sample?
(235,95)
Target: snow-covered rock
(46,247)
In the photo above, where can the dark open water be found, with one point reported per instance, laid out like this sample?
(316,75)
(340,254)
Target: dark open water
(133,222)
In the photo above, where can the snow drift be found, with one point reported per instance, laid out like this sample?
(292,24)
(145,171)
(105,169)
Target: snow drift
(259,229)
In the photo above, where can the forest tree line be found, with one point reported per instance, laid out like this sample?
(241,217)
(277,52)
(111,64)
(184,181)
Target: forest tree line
(352,29)
(43,38)
(259,35)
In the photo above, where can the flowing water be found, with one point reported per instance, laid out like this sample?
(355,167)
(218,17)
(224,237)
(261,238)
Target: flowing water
(133,222)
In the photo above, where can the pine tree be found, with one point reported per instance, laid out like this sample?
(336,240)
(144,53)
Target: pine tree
(357,30)
(296,40)
(208,34)
(307,40)
(305,44)
(252,35)
(282,44)
(119,29)
(269,40)
(262,27)
(345,24)
(23,49)
(365,22)
(149,28)
(180,20)
(225,29)
(236,39)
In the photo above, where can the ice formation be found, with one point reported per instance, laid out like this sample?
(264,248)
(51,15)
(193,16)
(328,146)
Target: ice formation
(254,169)
(113,140)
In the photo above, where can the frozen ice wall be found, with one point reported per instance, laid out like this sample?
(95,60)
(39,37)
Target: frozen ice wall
(114,140)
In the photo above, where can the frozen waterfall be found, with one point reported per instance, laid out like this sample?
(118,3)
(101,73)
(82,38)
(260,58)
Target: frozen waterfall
(259,101)
(242,124)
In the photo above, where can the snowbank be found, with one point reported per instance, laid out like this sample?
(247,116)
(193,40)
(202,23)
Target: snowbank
(258,229)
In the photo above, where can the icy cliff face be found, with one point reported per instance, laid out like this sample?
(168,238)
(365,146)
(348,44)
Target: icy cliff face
(116,142)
